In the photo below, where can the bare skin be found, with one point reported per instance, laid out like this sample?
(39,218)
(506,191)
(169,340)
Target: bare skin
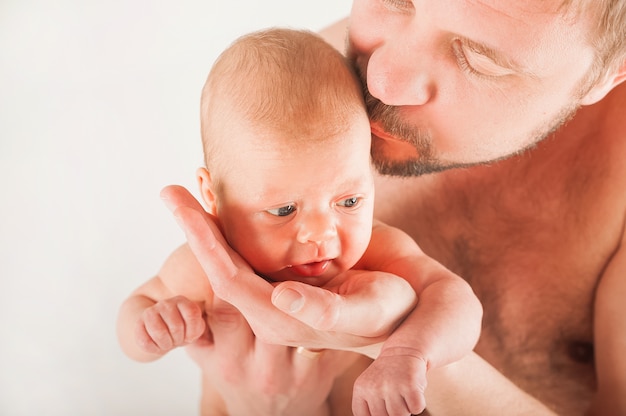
(301,225)
(540,239)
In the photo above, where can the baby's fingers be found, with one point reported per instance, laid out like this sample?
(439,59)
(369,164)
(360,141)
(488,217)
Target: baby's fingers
(165,325)
(170,323)
(392,385)
(153,334)
(193,321)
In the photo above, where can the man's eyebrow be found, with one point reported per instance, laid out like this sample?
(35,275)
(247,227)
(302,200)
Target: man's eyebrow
(498,57)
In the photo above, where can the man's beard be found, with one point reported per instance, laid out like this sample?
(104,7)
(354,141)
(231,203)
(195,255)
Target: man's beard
(425,162)
(387,117)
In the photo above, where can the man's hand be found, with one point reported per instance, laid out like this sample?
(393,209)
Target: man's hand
(248,376)
(168,324)
(360,302)
(294,317)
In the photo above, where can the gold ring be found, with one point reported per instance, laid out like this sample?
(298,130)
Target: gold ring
(308,353)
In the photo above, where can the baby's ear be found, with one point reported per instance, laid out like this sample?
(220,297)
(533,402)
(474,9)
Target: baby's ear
(206,190)
(605,85)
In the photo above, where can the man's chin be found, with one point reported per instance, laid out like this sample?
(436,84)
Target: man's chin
(394,149)
(398,159)
(404,168)
(419,166)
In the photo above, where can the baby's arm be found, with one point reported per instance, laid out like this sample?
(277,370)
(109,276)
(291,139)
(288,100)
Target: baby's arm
(165,312)
(443,327)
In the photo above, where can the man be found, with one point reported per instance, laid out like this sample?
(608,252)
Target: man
(540,236)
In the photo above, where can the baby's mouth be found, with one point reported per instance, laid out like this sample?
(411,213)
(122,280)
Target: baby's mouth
(313,269)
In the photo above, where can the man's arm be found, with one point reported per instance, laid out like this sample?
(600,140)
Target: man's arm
(472,387)
(610,337)
(243,375)
(340,398)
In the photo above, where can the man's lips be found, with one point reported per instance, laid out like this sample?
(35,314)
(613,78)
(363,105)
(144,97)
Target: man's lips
(393,147)
(381,134)
(311,269)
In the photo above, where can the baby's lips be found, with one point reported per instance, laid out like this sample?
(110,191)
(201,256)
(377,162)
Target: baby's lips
(311,269)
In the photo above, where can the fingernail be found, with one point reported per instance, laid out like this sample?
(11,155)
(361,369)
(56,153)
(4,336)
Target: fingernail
(289,301)
(167,201)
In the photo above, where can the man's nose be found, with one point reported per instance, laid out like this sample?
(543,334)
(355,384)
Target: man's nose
(401,70)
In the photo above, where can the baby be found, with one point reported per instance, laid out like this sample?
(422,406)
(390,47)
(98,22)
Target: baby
(286,141)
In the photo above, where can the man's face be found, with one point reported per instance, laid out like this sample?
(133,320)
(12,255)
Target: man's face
(459,82)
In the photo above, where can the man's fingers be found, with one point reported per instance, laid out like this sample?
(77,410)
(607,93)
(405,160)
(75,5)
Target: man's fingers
(375,303)
(223,266)
(351,313)
(317,307)
(230,329)
(234,283)
(211,254)
(180,202)
(175,196)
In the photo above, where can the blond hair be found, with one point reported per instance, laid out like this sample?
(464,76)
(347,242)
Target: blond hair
(607,34)
(281,80)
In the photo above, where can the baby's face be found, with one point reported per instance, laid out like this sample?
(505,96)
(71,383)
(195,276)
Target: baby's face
(303,214)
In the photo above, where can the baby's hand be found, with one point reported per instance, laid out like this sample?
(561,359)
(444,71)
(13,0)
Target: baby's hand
(392,385)
(168,324)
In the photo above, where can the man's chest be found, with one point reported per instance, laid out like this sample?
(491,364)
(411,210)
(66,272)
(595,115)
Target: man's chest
(532,235)
(537,293)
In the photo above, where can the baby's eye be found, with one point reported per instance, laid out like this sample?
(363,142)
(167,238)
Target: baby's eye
(350,202)
(283,211)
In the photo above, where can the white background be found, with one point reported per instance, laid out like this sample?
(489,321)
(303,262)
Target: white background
(99,111)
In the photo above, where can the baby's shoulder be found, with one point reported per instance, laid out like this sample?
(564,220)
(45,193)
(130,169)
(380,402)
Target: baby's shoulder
(184,275)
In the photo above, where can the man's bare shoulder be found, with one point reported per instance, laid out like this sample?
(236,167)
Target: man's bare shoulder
(336,33)
(594,151)
(614,127)
(609,308)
